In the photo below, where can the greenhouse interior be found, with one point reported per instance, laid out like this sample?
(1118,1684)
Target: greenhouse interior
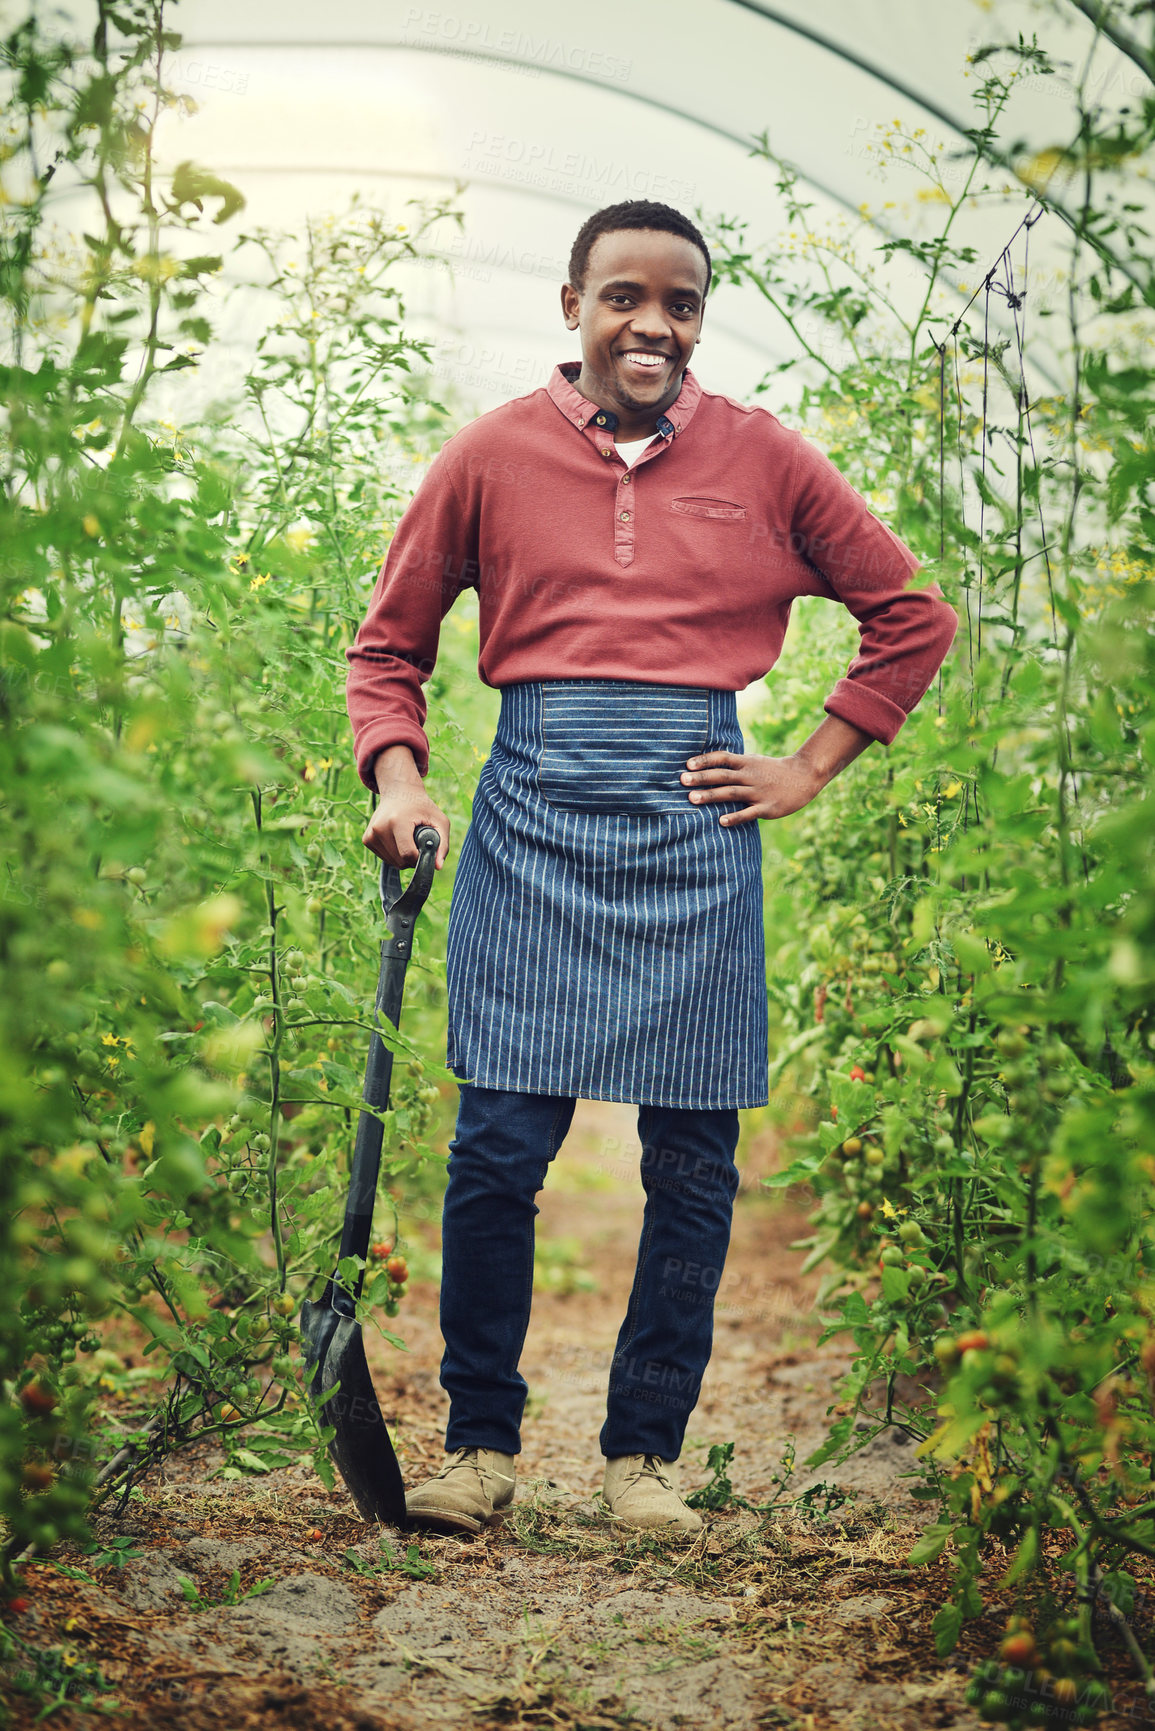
(577,1129)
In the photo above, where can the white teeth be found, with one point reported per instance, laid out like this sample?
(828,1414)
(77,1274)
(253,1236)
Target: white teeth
(644,360)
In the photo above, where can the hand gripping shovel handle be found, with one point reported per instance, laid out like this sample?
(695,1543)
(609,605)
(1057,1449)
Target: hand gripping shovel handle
(338,1372)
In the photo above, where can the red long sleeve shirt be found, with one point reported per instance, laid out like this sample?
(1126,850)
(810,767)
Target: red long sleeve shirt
(678,571)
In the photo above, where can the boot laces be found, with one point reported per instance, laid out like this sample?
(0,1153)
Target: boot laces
(470,1457)
(652,1467)
(465,1457)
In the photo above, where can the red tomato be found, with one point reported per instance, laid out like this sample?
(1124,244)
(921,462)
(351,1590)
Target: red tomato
(974,1340)
(36,1399)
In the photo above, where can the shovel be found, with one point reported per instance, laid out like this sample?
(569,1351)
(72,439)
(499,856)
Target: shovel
(334,1349)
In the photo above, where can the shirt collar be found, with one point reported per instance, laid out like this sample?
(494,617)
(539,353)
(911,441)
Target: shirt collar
(578,409)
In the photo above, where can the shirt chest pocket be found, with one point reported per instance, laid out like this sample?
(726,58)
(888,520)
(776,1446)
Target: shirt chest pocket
(618,747)
(715,510)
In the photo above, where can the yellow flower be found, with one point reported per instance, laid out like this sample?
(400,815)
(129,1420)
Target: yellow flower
(309,772)
(258,582)
(888,1210)
(1040,169)
(949,792)
(109,1040)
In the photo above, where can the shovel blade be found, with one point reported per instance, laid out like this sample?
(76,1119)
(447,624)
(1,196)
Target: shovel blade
(361,1450)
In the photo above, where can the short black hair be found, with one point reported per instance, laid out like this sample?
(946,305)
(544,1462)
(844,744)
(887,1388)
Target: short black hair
(631,213)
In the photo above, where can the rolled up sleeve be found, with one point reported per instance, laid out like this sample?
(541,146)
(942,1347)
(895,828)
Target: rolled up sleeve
(904,633)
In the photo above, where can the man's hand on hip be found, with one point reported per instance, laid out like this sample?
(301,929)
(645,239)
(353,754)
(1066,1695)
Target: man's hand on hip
(773,786)
(764,786)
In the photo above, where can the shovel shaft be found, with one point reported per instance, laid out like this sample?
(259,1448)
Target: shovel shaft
(366,1164)
(359,1440)
(401,912)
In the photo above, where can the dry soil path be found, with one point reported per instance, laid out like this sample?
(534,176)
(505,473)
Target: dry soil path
(808,1618)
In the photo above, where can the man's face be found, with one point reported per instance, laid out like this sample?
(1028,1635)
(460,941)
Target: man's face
(639,316)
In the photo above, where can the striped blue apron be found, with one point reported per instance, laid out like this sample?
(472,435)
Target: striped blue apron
(605,936)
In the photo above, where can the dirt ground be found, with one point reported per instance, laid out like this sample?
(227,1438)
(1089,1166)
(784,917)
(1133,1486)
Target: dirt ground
(806,1618)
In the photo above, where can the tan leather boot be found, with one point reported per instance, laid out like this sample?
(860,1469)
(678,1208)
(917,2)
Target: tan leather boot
(464,1495)
(640,1491)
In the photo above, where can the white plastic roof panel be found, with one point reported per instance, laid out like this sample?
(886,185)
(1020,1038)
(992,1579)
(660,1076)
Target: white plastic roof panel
(541,114)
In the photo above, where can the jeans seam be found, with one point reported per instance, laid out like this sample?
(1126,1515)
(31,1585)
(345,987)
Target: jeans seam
(553,1143)
(643,1253)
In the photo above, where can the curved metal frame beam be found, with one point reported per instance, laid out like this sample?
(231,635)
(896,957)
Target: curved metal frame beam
(584,78)
(773,16)
(1089,9)
(450,259)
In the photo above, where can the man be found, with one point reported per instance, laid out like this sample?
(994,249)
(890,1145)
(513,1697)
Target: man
(636,543)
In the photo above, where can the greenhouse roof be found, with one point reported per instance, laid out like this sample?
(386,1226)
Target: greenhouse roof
(531,116)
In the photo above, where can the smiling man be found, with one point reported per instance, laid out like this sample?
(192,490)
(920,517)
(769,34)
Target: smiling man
(636,543)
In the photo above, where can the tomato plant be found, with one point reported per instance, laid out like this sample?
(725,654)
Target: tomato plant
(961,946)
(189,924)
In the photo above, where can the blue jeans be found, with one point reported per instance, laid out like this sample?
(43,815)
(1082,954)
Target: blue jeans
(498,1160)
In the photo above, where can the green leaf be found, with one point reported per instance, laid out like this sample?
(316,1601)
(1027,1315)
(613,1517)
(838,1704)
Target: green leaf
(895,1284)
(931,1543)
(1024,1559)
(946,1625)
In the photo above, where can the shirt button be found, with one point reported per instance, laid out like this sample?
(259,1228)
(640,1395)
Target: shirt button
(624,515)
(599,420)
(581,423)
(607,453)
(625,478)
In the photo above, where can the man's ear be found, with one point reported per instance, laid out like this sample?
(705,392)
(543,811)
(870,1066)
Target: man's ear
(570,306)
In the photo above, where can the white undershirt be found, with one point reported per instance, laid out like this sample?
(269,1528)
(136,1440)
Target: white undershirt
(631,449)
